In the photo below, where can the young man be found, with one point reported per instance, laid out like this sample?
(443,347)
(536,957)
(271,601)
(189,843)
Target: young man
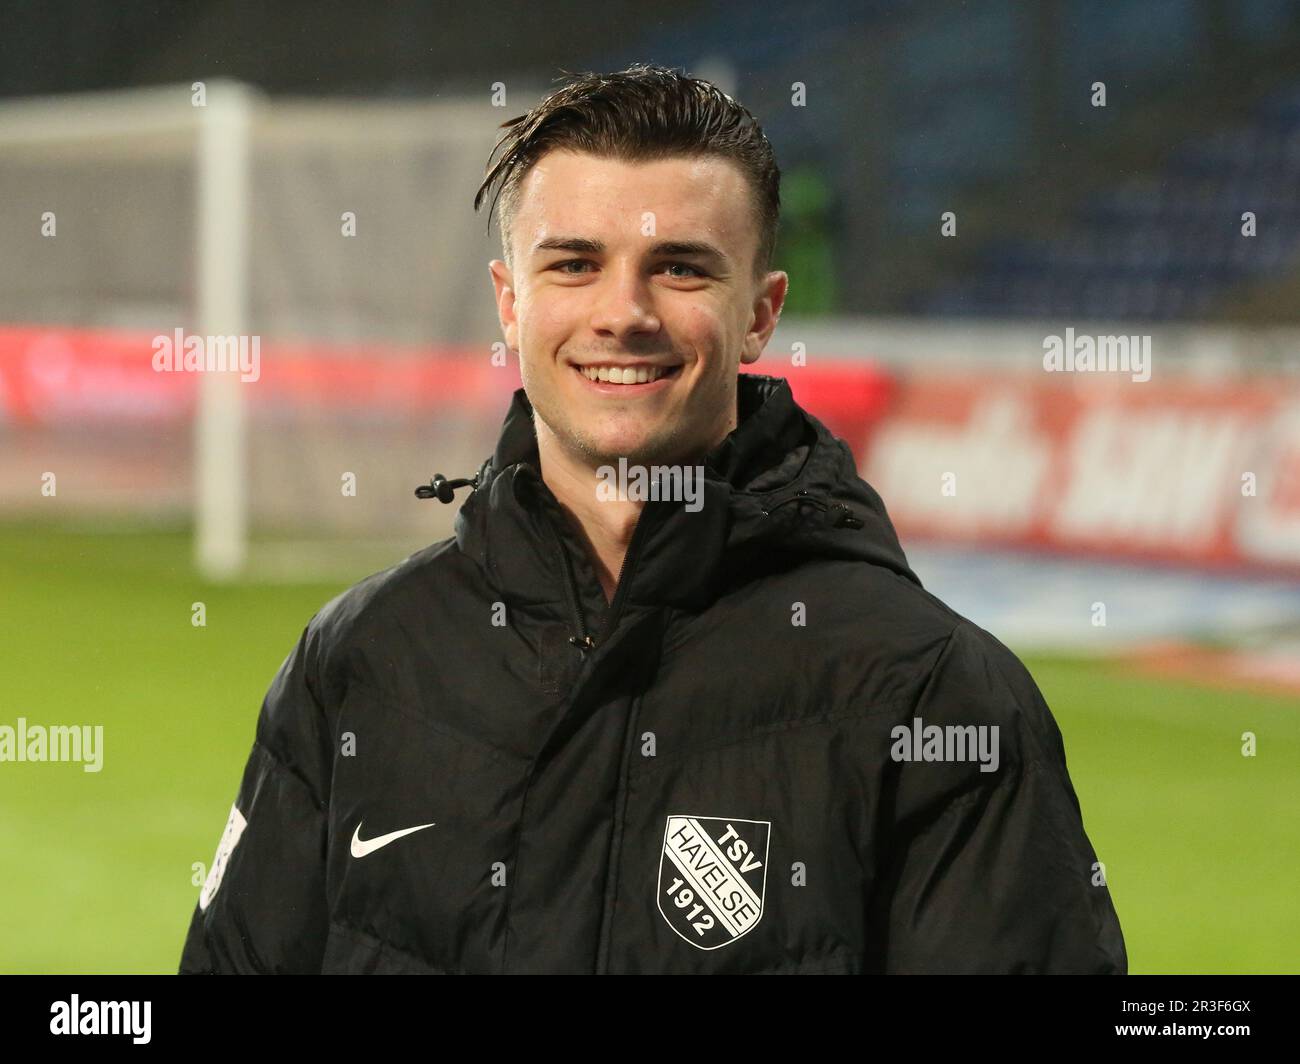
(671,699)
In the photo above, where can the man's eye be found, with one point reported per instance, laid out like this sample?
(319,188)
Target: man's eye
(562,267)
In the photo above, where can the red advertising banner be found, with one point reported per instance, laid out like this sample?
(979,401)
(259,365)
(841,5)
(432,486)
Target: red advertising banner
(1167,470)
(1178,471)
(48,375)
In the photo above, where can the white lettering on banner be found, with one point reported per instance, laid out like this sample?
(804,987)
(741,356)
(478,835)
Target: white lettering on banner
(1151,477)
(1001,461)
(1080,466)
(1268,526)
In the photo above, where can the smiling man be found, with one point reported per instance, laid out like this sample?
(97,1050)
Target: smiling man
(629,732)
(637,290)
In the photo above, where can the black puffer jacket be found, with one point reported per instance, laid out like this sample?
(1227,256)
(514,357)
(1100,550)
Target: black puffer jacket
(470,763)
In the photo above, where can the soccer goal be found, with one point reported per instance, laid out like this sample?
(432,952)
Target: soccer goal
(335,239)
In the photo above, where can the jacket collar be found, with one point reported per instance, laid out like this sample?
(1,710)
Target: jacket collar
(513,526)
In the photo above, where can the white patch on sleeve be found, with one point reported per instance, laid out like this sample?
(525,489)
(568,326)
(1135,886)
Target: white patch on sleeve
(234,828)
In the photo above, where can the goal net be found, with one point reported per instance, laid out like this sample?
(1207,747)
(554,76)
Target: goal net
(332,242)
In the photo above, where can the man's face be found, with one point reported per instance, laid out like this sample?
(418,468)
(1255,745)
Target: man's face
(643,267)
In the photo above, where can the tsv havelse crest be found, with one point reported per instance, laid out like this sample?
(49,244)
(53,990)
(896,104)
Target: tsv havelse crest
(711,877)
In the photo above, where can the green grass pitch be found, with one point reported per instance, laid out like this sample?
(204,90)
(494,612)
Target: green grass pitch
(1200,843)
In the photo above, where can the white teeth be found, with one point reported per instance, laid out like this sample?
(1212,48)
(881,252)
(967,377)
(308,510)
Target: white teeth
(619,375)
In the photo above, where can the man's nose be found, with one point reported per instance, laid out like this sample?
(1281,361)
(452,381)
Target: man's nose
(625,303)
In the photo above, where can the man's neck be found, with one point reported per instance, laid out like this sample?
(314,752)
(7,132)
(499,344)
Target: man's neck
(605,526)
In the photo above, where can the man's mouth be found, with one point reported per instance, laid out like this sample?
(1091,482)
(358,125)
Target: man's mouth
(627,375)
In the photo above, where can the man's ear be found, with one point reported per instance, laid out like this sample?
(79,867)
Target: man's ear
(767,311)
(504,285)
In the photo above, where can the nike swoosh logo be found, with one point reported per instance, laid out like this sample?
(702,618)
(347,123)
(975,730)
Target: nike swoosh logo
(362,847)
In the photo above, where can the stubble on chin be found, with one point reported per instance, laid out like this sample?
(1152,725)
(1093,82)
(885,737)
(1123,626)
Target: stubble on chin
(585,445)
(596,452)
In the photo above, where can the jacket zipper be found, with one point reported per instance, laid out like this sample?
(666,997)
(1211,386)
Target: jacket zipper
(583,640)
(620,585)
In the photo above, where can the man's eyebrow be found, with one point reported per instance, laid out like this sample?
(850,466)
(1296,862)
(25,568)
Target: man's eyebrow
(586,246)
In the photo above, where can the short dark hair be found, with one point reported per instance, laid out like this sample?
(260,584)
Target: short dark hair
(644,112)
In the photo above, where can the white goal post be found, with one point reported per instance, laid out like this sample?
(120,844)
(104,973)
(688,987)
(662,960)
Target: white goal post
(339,230)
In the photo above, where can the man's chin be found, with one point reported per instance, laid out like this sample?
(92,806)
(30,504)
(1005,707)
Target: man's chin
(635,452)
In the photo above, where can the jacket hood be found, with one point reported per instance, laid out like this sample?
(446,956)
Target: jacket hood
(778,489)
